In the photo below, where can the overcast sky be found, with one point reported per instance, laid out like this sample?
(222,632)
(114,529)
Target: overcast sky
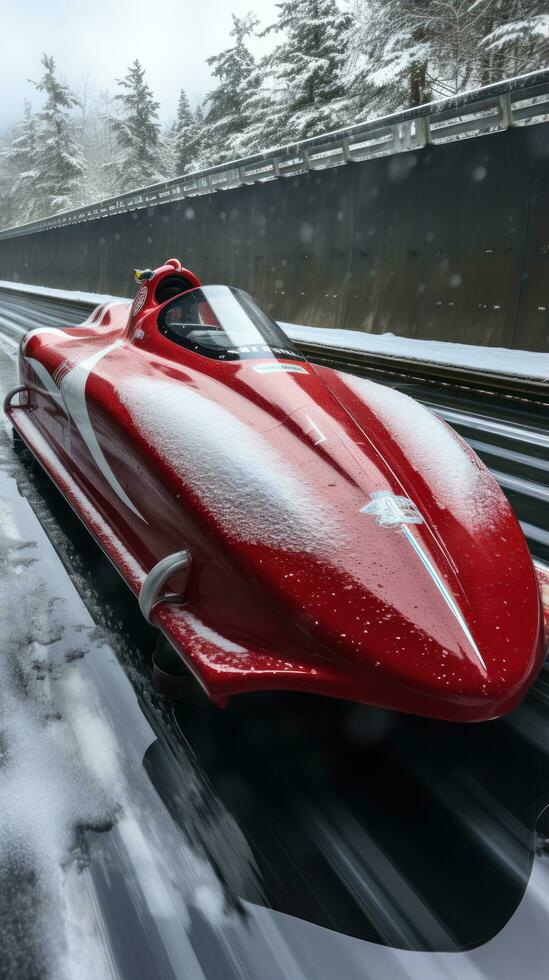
(98,39)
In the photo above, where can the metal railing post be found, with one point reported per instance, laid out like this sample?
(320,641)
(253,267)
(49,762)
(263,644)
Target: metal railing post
(423,130)
(506,110)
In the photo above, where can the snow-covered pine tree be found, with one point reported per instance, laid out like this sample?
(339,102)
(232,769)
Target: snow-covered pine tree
(59,170)
(307,69)
(515,38)
(200,154)
(99,145)
(185,136)
(442,47)
(19,161)
(404,52)
(389,55)
(8,202)
(263,109)
(473,43)
(137,131)
(225,120)
(168,153)
(454,28)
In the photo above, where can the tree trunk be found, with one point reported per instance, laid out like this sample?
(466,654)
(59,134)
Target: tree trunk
(418,73)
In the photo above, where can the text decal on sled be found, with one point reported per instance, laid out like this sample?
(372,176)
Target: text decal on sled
(277,368)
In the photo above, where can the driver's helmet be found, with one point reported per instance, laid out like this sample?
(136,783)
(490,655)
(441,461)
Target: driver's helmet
(174,314)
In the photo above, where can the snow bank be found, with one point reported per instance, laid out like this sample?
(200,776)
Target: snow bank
(69,294)
(238,474)
(496,360)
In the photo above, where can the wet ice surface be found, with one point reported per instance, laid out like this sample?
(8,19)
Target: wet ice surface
(137,841)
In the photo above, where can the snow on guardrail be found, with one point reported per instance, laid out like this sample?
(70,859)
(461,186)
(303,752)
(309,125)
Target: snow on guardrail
(520,101)
(501,360)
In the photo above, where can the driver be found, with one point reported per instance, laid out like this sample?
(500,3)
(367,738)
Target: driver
(174,316)
(198,313)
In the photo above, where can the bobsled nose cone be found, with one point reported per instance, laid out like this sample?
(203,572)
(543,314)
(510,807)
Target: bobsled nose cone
(430,635)
(471,657)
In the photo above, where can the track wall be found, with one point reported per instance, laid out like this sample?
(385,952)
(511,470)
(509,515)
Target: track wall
(450,243)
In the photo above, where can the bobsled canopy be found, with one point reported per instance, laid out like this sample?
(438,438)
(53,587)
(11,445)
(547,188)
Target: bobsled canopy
(224,323)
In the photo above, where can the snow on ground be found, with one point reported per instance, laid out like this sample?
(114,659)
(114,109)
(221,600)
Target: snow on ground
(75,296)
(47,795)
(72,742)
(496,360)
(76,803)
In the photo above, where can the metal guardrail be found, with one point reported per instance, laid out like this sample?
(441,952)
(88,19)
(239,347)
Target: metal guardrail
(520,101)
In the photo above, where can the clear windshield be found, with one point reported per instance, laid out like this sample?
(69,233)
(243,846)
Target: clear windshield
(224,323)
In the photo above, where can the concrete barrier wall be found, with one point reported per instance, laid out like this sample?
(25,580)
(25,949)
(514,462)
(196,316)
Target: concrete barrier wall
(449,242)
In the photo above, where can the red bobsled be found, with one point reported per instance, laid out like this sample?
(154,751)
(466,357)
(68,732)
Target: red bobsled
(285,526)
